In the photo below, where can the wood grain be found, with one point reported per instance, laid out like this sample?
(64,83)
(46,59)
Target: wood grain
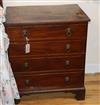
(48,47)
(45,14)
(49,30)
(35,64)
(92,83)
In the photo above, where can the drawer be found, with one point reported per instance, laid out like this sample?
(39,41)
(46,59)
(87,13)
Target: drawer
(45,82)
(48,64)
(43,48)
(44,32)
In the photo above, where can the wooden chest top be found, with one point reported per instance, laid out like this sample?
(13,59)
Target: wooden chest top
(45,14)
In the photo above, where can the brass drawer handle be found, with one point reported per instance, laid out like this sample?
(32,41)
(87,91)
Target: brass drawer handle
(68,46)
(25,33)
(26,65)
(67,62)
(67,79)
(69,32)
(27,82)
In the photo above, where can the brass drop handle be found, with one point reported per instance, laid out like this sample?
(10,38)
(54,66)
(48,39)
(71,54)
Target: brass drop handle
(27,82)
(68,46)
(26,65)
(67,62)
(69,32)
(25,33)
(67,79)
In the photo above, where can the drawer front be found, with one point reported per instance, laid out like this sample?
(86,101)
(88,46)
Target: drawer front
(43,48)
(47,64)
(36,32)
(35,82)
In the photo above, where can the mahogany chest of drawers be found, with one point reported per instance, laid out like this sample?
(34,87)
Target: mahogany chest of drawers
(47,48)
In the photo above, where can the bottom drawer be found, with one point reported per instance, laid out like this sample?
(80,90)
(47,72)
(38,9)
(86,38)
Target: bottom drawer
(36,82)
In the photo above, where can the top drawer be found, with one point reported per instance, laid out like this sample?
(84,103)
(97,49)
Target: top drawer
(44,32)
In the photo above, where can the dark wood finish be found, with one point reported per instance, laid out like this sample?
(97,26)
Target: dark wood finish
(80,94)
(35,82)
(45,48)
(1,3)
(17,101)
(48,32)
(45,14)
(57,37)
(44,64)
